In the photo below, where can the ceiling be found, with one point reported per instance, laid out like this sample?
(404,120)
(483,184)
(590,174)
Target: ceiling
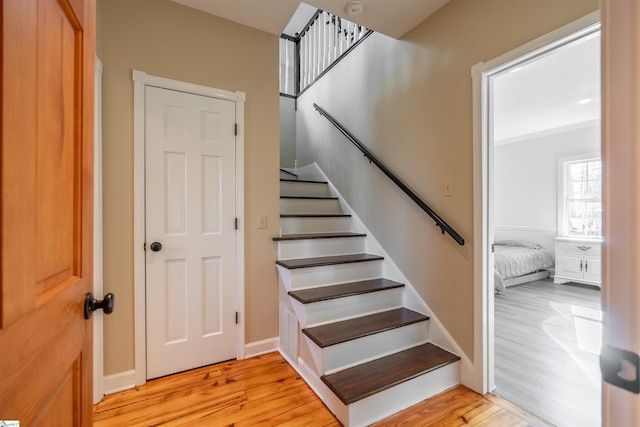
(393,18)
(556,91)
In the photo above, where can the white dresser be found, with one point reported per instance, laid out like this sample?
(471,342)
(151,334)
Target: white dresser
(578,260)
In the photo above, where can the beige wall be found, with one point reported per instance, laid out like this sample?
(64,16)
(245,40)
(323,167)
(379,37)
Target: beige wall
(410,101)
(165,39)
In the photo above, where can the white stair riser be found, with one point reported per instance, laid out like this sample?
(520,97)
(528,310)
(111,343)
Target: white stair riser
(310,248)
(315,225)
(312,277)
(355,352)
(310,189)
(342,308)
(381,405)
(305,206)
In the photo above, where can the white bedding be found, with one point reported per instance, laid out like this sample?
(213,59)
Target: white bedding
(514,258)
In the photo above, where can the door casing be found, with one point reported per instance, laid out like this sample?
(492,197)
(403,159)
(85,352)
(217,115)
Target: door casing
(141,80)
(482,381)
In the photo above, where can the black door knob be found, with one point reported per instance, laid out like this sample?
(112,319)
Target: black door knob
(156,246)
(91,304)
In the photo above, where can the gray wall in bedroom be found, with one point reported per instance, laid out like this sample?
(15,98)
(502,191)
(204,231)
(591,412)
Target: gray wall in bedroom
(526,182)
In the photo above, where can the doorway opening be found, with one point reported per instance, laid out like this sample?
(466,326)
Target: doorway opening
(539,112)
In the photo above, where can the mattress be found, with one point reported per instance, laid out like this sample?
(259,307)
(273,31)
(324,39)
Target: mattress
(515,258)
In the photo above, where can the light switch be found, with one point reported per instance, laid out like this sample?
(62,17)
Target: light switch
(448,188)
(263,222)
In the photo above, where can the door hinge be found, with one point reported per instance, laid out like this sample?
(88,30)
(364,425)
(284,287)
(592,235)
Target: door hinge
(493,247)
(236,223)
(235,129)
(144,246)
(237,318)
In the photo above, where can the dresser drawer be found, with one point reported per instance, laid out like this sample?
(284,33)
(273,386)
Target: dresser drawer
(587,248)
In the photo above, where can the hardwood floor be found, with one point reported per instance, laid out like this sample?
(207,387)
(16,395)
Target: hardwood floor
(546,351)
(266,391)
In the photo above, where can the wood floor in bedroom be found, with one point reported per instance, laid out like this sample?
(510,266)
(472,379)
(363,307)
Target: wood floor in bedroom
(547,340)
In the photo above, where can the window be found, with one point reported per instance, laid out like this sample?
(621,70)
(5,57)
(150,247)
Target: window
(582,204)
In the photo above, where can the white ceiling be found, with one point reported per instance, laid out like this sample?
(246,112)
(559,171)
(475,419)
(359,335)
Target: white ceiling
(391,17)
(552,92)
(558,90)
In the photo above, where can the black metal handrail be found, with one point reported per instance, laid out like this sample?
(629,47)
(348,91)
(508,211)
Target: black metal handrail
(373,159)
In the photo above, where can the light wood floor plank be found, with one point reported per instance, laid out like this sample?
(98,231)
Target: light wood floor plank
(542,360)
(266,391)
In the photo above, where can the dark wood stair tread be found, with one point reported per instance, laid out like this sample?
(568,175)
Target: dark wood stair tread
(327,260)
(306,181)
(317,236)
(309,197)
(307,296)
(315,215)
(358,382)
(347,330)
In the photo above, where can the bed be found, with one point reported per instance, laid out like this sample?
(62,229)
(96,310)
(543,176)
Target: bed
(517,262)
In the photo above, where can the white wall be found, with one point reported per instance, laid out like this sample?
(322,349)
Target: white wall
(287,131)
(410,102)
(526,183)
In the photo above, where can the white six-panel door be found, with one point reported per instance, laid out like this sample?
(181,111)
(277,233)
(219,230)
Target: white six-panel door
(190,211)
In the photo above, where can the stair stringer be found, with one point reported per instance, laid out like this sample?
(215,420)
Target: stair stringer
(412,300)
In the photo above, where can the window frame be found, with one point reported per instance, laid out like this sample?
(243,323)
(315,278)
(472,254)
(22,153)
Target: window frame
(563,167)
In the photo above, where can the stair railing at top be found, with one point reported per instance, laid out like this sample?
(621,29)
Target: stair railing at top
(373,159)
(324,41)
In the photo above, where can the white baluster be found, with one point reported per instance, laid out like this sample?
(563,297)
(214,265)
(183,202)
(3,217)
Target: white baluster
(283,71)
(327,40)
(350,34)
(316,48)
(309,57)
(290,81)
(305,62)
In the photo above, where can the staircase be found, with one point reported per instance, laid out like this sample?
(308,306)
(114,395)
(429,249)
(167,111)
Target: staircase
(364,353)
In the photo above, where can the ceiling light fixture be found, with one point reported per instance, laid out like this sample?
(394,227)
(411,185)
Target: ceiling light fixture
(585,101)
(354,7)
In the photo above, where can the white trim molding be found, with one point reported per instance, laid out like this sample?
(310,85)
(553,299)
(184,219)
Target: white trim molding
(480,73)
(141,81)
(119,382)
(98,331)
(526,228)
(261,347)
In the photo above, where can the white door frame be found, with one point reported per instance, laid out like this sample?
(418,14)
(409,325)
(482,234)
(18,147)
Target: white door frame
(482,275)
(141,80)
(98,331)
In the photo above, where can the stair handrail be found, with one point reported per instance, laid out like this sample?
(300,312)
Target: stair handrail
(393,177)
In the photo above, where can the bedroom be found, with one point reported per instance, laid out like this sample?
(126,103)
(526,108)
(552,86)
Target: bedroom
(546,202)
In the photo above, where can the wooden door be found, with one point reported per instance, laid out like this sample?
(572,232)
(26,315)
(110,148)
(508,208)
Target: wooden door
(190,211)
(46,211)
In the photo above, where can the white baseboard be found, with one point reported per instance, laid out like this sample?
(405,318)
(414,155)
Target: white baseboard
(261,347)
(127,380)
(119,382)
